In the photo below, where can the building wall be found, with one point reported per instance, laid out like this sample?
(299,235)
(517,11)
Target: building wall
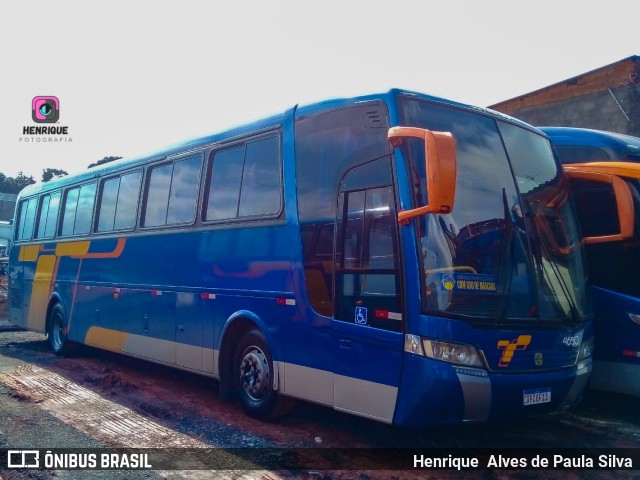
(606,99)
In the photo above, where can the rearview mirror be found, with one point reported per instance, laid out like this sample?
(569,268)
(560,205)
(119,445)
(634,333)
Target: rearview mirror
(441,169)
(604,203)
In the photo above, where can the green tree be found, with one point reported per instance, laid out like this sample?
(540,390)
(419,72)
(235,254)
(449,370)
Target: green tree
(49,173)
(104,160)
(14,184)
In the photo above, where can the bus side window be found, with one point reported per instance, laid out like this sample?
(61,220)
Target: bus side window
(245,181)
(49,208)
(224,186)
(27,219)
(171,196)
(261,192)
(119,202)
(582,153)
(78,210)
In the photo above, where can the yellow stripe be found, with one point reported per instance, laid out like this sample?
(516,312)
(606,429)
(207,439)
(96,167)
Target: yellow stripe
(40,293)
(109,339)
(28,253)
(72,248)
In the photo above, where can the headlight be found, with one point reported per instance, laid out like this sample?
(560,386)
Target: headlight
(413,344)
(586,350)
(454,353)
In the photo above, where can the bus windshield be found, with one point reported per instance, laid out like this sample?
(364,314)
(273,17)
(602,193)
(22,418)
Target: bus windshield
(509,251)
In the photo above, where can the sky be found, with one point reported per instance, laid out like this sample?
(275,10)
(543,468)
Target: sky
(134,76)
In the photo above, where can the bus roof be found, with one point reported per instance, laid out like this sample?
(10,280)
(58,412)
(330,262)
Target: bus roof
(591,137)
(248,128)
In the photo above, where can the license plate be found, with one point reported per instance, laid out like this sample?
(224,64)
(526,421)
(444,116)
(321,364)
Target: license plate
(534,397)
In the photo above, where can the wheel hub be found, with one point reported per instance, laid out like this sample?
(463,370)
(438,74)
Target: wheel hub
(254,373)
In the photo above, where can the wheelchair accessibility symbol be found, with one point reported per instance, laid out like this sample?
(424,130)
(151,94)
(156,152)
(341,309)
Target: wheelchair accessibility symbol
(361,315)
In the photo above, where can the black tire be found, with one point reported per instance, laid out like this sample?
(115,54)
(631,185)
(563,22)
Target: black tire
(58,332)
(253,376)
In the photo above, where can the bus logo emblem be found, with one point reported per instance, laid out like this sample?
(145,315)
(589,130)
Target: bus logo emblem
(448,281)
(509,348)
(538,359)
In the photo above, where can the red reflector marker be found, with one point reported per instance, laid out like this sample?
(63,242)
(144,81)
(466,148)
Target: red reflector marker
(285,301)
(388,315)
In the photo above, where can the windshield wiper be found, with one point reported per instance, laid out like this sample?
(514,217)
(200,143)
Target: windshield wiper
(509,232)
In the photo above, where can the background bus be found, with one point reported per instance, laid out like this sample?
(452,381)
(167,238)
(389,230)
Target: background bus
(579,145)
(317,255)
(613,270)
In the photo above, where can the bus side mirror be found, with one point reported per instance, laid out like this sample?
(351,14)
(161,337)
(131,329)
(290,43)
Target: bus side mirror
(441,168)
(604,205)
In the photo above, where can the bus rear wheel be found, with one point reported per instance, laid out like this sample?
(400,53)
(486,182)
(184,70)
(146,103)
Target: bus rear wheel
(253,372)
(58,332)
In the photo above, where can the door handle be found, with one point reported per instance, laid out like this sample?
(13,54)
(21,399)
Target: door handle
(344,343)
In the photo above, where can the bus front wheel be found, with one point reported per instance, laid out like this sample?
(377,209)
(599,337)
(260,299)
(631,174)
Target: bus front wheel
(58,331)
(253,372)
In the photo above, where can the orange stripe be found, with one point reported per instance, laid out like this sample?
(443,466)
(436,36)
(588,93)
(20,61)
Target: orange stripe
(115,253)
(72,249)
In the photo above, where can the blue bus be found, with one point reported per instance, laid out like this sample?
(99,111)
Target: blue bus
(612,268)
(396,256)
(580,145)
(610,265)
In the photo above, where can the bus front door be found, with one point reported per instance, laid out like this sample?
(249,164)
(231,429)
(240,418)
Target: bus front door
(368,317)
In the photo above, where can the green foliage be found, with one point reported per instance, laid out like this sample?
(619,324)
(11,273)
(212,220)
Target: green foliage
(14,184)
(104,160)
(49,173)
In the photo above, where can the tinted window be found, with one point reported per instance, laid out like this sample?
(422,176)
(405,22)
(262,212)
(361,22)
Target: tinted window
(512,224)
(119,202)
(612,265)
(185,184)
(549,214)
(127,207)
(78,210)
(108,203)
(245,181)
(596,207)
(27,218)
(49,208)
(366,250)
(224,189)
(70,206)
(583,153)
(260,193)
(173,193)
(470,245)
(84,213)
(158,196)
(327,146)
